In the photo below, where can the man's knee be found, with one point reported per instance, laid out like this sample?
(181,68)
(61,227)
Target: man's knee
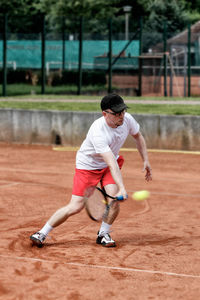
(76,204)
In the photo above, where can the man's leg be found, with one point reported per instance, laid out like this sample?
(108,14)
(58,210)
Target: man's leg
(61,215)
(111,189)
(103,235)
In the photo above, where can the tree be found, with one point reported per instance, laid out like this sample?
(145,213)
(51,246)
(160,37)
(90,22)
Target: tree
(193,9)
(72,10)
(160,11)
(22,16)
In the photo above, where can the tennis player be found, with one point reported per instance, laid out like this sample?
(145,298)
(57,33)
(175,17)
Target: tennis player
(98,160)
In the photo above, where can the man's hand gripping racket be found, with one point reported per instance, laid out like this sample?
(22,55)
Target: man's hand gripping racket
(97,205)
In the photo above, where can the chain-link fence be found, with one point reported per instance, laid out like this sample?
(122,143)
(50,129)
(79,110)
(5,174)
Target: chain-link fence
(78,61)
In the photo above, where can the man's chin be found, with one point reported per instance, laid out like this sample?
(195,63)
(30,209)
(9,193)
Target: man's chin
(120,123)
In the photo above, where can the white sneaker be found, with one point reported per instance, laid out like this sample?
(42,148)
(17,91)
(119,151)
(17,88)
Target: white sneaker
(38,238)
(105,240)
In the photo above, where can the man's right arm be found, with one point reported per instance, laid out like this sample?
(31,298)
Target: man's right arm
(110,160)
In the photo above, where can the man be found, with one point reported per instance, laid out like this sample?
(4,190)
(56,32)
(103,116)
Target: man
(98,160)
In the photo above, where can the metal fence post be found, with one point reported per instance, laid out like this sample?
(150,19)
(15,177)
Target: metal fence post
(80,56)
(43,56)
(63,43)
(165,57)
(5,56)
(189,60)
(140,58)
(110,58)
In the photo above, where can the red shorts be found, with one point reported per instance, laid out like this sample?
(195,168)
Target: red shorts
(86,178)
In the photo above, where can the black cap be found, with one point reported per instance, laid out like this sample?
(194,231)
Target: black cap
(113,102)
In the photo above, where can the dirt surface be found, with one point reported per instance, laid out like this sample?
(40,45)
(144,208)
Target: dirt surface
(157,253)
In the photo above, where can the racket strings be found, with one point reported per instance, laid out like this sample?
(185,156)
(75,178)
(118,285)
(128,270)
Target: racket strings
(96,205)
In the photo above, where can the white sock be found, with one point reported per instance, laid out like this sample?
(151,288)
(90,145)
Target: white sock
(105,228)
(46,229)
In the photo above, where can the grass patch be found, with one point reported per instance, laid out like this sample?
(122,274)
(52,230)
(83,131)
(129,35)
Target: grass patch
(14,90)
(167,109)
(18,92)
(23,91)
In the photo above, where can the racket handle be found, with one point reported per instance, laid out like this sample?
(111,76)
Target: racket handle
(120,198)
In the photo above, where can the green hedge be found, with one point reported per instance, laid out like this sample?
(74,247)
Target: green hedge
(15,76)
(72,77)
(55,78)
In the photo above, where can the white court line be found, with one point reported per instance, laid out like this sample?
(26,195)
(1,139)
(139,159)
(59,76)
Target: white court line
(68,172)
(130,191)
(46,171)
(9,184)
(101,266)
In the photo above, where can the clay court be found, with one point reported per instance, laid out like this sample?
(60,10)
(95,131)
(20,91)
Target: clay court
(157,253)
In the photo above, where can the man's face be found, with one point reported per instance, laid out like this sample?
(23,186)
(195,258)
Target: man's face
(114,119)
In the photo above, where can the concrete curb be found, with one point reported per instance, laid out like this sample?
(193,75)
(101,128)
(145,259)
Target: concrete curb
(70,128)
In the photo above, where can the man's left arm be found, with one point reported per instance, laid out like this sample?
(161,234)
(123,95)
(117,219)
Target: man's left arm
(142,149)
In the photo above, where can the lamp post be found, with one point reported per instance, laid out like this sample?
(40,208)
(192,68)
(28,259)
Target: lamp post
(127,9)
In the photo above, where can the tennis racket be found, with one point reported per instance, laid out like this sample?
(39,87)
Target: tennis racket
(96,203)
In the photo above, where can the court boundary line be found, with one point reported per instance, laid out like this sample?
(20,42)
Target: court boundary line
(33,171)
(123,269)
(129,191)
(9,184)
(71,148)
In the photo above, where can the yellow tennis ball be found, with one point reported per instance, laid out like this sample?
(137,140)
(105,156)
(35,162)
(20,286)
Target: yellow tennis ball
(141,195)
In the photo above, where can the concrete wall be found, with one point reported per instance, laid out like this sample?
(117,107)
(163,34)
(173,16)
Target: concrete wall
(47,127)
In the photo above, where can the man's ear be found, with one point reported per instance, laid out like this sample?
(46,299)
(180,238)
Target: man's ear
(103,113)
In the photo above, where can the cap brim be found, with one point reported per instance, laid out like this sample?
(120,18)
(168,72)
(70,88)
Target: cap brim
(119,108)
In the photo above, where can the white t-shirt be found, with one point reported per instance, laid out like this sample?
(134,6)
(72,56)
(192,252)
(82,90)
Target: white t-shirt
(102,138)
